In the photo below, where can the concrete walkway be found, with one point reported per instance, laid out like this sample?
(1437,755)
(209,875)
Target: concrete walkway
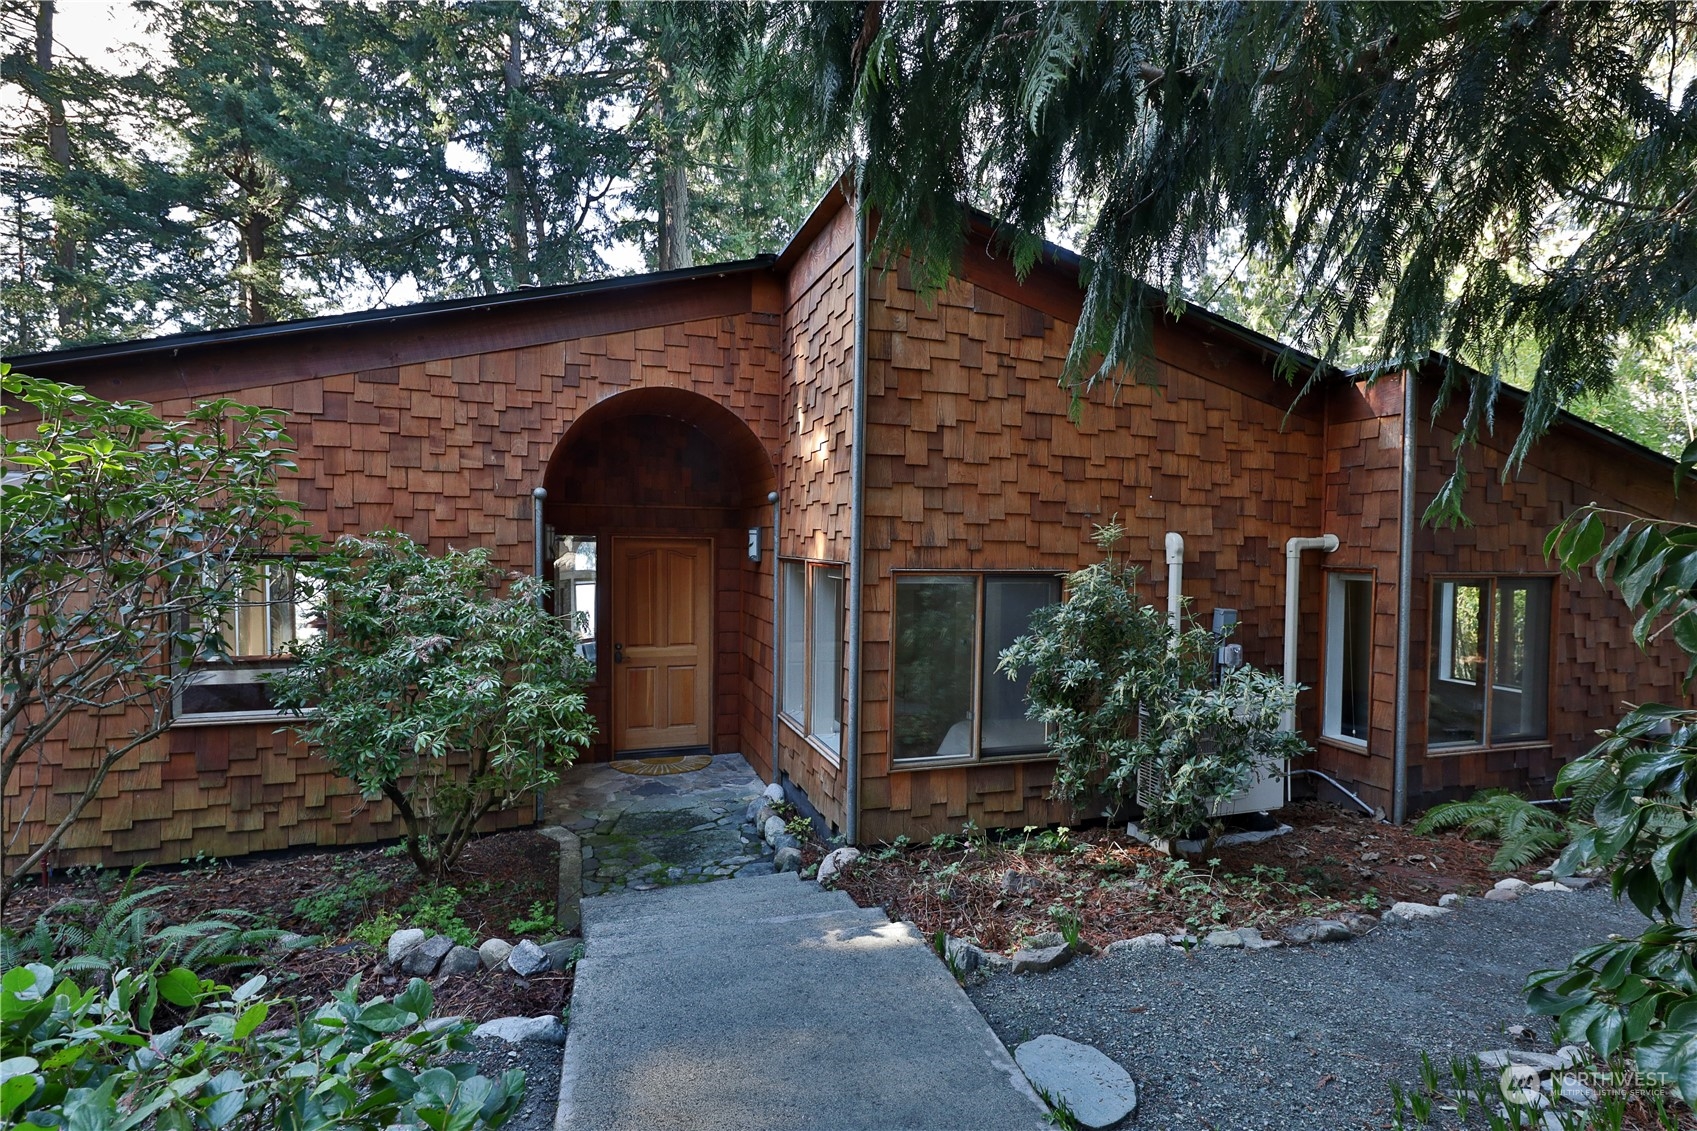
(768,1004)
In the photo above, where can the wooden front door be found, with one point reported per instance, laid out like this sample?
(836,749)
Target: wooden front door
(662,643)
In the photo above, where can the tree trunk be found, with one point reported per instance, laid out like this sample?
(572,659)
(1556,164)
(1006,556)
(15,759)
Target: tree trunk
(256,240)
(512,154)
(59,151)
(673,250)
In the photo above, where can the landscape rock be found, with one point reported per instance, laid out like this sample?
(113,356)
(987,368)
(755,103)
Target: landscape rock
(1038,961)
(1581,883)
(1551,885)
(1013,883)
(1358,922)
(1564,1058)
(1574,1090)
(1252,939)
(1403,912)
(1044,940)
(402,941)
(1224,939)
(493,952)
(460,960)
(772,829)
(963,956)
(835,861)
(517,1030)
(1152,941)
(1510,884)
(786,840)
(1316,931)
(1449,899)
(787,859)
(1502,895)
(1097,1091)
(421,961)
(527,959)
(560,953)
(773,793)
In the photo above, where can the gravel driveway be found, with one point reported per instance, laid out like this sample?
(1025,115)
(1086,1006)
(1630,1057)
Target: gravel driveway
(1304,1038)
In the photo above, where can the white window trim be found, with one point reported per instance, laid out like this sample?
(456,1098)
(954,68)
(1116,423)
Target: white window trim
(213,674)
(1331,727)
(828,744)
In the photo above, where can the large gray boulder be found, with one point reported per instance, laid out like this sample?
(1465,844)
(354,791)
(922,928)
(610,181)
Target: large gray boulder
(787,859)
(518,1030)
(1098,1092)
(494,952)
(527,959)
(835,861)
(1315,931)
(1414,912)
(421,961)
(402,941)
(560,953)
(1042,960)
(460,960)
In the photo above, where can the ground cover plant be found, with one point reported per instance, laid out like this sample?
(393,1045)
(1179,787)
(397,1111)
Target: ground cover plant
(441,686)
(1002,889)
(348,900)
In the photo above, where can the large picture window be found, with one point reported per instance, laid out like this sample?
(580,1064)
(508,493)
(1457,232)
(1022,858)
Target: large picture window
(1349,656)
(270,612)
(811,685)
(1490,667)
(950,701)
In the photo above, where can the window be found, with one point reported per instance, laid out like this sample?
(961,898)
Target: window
(270,612)
(950,701)
(1349,656)
(811,685)
(574,587)
(1490,661)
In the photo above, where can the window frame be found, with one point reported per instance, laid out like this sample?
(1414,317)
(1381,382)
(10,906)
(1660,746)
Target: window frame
(236,669)
(1444,646)
(1331,703)
(976,756)
(828,744)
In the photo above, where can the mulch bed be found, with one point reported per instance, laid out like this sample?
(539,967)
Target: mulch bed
(500,878)
(1003,890)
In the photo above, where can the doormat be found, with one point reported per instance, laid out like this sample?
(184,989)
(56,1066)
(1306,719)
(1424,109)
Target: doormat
(658,767)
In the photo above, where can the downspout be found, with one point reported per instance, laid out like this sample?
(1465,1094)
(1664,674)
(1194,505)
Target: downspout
(777,628)
(1175,582)
(857,528)
(537,496)
(1404,601)
(1326,543)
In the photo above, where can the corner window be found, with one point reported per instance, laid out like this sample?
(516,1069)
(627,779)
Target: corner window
(1490,666)
(270,612)
(574,588)
(1349,656)
(950,629)
(811,683)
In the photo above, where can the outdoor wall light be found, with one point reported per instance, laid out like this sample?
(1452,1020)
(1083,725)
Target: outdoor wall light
(754,543)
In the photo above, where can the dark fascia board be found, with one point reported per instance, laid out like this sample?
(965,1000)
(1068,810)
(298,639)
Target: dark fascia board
(1431,365)
(173,343)
(834,199)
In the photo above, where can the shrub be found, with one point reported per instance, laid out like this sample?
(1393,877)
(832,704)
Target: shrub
(434,690)
(1527,832)
(1123,698)
(79,1057)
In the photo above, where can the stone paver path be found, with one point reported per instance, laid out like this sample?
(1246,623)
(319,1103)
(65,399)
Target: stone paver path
(641,833)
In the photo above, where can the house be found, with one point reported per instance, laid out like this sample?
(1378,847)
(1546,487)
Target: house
(803,507)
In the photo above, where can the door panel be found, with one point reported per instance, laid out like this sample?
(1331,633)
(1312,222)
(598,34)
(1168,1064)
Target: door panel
(663,643)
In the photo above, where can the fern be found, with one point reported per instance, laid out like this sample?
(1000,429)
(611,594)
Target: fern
(1526,832)
(129,934)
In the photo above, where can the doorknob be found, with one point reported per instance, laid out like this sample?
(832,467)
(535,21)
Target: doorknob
(618,653)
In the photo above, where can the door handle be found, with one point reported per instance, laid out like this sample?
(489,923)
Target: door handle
(618,653)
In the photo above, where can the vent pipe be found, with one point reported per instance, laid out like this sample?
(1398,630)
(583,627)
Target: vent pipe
(1175,582)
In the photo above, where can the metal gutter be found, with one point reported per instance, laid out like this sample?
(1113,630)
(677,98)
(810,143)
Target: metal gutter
(1404,599)
(857,536)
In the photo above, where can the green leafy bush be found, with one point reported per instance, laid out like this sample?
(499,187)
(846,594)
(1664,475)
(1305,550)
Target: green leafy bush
(76,1057)
(79,937)
(436,911)
(1123,698)
(1526,832)
(539,924)
(340,901)
(435,690)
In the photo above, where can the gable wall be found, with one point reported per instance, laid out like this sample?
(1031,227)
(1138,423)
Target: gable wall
(445,448)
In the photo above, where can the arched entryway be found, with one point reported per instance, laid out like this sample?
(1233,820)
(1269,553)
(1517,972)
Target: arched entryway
(652,495)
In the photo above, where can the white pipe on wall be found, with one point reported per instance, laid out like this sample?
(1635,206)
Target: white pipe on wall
(1175,581)
(1326,543)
